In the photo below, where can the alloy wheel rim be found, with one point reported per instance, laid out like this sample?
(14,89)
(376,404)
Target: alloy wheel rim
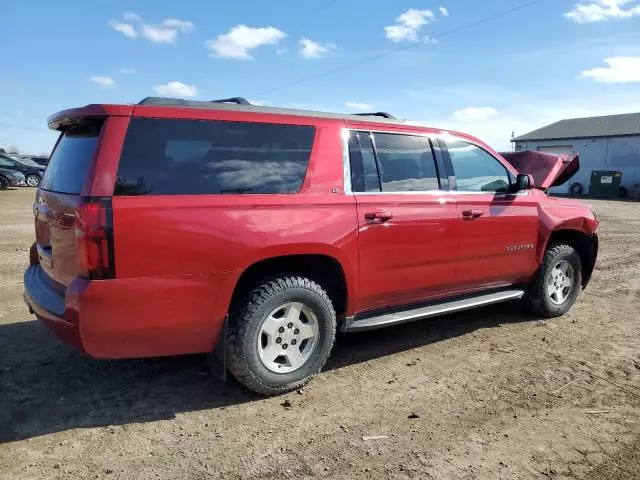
(32,181)
(560,282)
(288,337)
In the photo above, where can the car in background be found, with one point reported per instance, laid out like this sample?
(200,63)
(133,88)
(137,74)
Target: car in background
(39,159)
(31,170)
(10,178)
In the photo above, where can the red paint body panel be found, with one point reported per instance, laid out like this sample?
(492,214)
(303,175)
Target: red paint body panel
(505,220)
(178,258)
(412,256)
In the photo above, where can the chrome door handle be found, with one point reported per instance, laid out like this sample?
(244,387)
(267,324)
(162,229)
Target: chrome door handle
(378,216)
(472,213)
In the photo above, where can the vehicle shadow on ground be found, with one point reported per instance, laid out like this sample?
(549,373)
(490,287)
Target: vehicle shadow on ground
(46,387)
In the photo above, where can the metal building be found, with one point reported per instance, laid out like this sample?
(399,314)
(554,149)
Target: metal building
(604,143)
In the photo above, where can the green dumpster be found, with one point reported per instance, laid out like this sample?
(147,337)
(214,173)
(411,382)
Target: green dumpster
(605,183)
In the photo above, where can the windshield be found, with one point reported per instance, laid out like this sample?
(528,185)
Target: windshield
(26,161)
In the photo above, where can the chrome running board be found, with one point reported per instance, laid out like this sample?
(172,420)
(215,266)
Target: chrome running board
(440,308)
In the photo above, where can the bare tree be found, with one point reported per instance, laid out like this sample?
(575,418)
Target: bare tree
(13,149)
(2,150)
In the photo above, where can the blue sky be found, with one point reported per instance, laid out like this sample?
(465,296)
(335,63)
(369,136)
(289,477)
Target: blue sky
(552,60)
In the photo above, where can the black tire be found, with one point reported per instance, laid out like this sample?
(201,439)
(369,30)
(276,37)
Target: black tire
(576,189)
(245,323)
(537,297)
(35,179)
(4,183)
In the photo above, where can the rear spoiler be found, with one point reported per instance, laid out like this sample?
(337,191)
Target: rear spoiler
(548,170)
(76,116)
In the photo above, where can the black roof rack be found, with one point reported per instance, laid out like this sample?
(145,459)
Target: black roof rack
(179,101)
(375,114)
(162,101)
(242,105)
(238,100)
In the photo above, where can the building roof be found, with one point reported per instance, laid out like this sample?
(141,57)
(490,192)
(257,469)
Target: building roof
(606,126)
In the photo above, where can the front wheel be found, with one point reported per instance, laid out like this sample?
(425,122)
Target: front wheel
(4,183)
(280,334)
(557,283)
(33,180)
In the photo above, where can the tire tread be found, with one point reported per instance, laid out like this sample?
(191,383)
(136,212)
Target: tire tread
(237,363)
(535,294)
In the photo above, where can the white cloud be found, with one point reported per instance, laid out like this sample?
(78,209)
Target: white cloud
(126,29)
(240,40)
(159,34)
(359,105)
(132,17)
(166,31)
(104,82)
(602,10)
(408,25)
(311,49)
(127,71)
(474,114)
(259,103)
(444,11)
(618,70)
(183,26)
(176,89)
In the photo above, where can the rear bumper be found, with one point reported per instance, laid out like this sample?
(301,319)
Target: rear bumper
(54,307)
(129,317)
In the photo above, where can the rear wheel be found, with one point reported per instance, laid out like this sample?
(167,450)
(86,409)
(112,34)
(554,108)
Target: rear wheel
(32,180)
(280,334)
(4,183)
(557,283)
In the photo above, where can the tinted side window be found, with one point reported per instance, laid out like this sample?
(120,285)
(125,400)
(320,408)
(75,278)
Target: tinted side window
(174,157)
(406,163)
(476,170)
(364,172)
(5,162)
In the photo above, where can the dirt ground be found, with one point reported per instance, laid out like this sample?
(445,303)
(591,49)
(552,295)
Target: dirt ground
(493,393)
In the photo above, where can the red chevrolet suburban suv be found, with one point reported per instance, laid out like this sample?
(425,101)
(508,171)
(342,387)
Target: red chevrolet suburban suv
(254,233)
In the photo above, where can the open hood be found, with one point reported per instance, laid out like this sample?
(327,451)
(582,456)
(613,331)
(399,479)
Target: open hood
(548,169)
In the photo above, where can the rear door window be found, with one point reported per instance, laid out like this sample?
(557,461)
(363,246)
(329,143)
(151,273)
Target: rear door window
(364,171)
(71,160)
(406,163)
(186,157)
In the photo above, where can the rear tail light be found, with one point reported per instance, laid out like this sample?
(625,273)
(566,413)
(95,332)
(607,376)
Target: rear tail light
(94,239)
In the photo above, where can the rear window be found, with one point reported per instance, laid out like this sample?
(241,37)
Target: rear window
(71,160)
(183,157)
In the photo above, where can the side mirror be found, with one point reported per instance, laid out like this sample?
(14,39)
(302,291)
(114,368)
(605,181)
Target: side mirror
(524,181)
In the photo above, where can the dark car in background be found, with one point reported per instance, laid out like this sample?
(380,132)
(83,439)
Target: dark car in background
(31,170)
(10,178)
(40,160)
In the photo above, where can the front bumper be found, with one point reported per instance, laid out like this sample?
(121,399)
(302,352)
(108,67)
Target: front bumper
(17,182)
